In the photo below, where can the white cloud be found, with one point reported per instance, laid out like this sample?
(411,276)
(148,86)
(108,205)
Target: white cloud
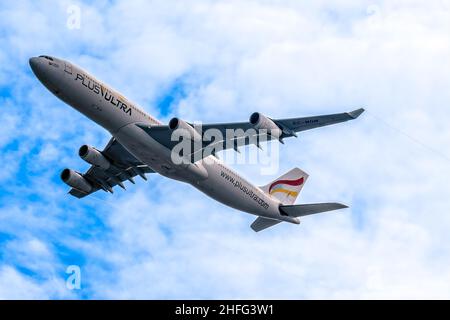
(13,285)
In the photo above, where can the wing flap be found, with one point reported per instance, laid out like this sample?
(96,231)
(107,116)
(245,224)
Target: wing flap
(78,193)
(210,146)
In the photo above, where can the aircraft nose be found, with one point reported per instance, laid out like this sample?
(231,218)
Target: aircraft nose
(34,64)
(44,73)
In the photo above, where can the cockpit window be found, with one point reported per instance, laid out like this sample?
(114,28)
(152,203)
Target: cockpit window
(47,57)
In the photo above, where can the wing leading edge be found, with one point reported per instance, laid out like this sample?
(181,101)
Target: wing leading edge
(241,134)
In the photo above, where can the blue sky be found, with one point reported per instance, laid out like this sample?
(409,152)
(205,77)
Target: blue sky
(220,61)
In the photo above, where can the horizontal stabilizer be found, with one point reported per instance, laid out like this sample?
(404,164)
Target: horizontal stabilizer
(263,223)
(244,133)
(301,210)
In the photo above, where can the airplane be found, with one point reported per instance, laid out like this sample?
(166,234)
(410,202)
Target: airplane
(140,145)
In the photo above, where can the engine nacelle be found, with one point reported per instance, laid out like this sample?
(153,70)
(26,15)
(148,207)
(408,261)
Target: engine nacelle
(75,180)
(261,122)
(94,157)
(175,124)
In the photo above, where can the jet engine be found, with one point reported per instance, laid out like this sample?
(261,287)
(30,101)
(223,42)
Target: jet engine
(94,157)
(175,124)
(75,180)
(261,122)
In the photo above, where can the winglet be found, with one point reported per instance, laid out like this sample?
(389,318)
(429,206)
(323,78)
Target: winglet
(356,113)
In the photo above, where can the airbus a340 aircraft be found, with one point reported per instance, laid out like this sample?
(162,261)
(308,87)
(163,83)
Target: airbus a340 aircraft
(140,145)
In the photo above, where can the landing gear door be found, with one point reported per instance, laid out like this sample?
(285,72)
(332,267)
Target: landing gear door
(67,68)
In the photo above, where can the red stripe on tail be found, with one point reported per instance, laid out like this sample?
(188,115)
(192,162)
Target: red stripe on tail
(289,182)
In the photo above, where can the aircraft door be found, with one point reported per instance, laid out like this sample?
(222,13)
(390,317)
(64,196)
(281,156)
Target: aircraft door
(68,68)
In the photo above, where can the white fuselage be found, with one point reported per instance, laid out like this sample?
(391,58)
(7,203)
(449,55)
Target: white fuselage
(119,116)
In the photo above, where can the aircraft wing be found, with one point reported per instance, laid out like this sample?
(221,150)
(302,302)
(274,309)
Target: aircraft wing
(291,125)
(241,134)
(307,123)
(124,166)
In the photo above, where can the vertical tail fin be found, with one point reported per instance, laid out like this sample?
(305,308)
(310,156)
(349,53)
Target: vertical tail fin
(287,187)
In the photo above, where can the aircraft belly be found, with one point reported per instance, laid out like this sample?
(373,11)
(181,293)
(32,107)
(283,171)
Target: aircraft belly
(245,197)
(157,156)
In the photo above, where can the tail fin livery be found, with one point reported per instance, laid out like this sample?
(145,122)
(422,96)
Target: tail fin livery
(287,187)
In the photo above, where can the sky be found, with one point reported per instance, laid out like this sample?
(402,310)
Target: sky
(219,61)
